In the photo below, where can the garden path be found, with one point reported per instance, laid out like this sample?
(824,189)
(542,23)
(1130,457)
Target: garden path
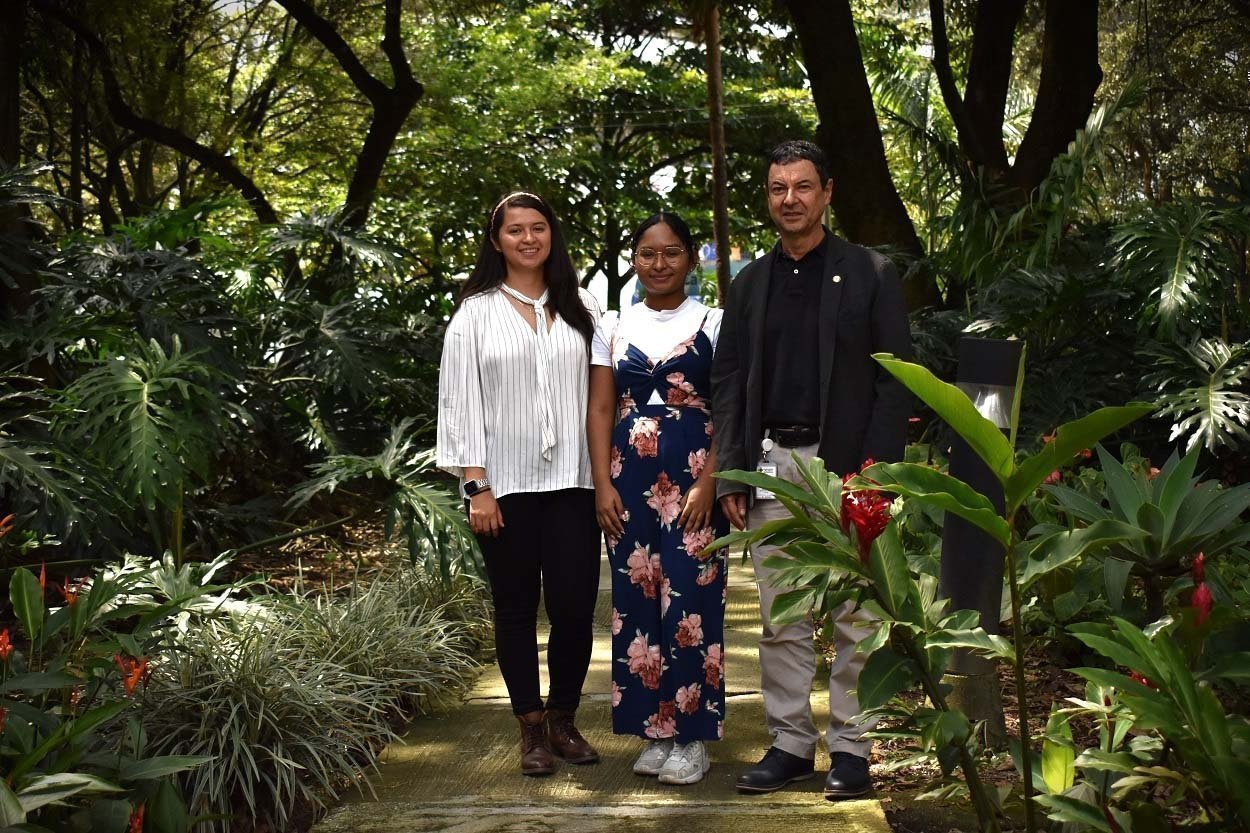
(458,771)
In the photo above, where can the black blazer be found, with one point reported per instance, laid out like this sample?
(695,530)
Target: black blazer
(864,410)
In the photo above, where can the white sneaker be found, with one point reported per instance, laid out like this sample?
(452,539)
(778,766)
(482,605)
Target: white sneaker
(653,756)
(687,764)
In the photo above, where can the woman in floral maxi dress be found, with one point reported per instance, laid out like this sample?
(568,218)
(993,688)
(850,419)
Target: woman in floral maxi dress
(650,432)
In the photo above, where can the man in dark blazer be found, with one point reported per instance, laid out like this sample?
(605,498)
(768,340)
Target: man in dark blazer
(793,373)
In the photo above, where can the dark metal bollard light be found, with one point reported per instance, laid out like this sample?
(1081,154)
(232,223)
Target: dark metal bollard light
(972,562)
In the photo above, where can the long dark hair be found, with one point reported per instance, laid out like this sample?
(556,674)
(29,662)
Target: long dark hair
(561,277)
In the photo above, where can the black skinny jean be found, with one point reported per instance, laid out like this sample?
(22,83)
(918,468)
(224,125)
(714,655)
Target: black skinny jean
(549,545)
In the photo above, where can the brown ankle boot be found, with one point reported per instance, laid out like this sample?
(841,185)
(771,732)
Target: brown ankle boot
(536,757)
(566,741)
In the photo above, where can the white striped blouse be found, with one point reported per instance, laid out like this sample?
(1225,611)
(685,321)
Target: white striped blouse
(489,403)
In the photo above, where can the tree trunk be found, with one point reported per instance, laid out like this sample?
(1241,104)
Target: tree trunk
(865,201)
(388,120)
(720,175)
(14,220)
(77,134)
(1065,94)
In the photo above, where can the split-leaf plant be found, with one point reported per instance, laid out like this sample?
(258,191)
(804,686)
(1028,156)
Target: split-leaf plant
(913,642)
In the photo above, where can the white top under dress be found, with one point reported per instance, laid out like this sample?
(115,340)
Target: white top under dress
(654,332)
(490,406)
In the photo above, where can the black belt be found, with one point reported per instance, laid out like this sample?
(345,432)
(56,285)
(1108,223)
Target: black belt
(793,436)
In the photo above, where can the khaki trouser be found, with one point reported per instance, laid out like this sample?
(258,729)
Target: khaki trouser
(788,656)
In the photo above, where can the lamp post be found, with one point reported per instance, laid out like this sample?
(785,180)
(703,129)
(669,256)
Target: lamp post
(989,372)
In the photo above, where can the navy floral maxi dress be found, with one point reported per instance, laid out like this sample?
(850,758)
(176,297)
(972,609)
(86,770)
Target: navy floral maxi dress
(668,673)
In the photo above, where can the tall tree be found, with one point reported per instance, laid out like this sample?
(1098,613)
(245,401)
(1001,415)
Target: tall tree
(865,201)
(1070,75)
(390,105)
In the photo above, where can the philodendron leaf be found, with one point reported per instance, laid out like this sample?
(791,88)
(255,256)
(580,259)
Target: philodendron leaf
(942,491)
(954,406)
(1054,551)
(1070,439)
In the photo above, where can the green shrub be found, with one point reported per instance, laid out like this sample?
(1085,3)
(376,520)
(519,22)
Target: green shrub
(293,699)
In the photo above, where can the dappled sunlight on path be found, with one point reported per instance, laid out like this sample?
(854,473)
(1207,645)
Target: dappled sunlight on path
(458,772)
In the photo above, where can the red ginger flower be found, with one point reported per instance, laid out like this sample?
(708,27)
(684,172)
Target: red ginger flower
(134,671)
(43,578)
(1053,478)
(6,646)
(6,525)
(1141,679)
(868,510)
(136,819)
(1199,568)
(1202,602)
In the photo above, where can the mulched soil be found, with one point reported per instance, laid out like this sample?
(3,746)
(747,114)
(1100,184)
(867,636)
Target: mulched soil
(900,790)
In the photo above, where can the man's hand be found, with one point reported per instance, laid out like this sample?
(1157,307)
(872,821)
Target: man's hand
(484,515)
(735,508)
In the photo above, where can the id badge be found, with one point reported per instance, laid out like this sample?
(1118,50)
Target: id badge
(769,469)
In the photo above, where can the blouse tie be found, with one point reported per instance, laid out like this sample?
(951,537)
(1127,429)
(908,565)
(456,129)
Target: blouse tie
(547,414)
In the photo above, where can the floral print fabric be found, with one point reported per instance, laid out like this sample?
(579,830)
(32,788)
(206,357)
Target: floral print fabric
(668,674)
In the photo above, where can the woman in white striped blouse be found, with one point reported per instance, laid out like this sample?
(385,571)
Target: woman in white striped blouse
(513,391)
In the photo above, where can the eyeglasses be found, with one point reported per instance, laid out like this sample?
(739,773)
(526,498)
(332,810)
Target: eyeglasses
(671,254)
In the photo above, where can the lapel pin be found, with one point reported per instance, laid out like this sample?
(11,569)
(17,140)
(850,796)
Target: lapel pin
(837,279)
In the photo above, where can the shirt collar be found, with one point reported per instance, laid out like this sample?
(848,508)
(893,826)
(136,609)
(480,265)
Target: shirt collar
(816,255)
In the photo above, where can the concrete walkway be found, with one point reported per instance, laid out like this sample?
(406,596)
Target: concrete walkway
(458,772)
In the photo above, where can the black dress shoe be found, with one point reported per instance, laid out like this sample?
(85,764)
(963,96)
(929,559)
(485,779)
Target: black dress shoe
(776,769)
(848,777)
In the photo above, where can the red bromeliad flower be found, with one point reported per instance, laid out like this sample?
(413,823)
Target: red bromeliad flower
(43,578)
(868,510)
(6,646)
(1202,602)
(1199,568)
(1141,679)
(136,819)
(134,671)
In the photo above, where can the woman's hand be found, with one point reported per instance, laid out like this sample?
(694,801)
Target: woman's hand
(484,515)
(610,510)
(696,510)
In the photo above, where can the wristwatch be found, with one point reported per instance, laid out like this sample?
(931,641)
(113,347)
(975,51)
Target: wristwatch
(472,487)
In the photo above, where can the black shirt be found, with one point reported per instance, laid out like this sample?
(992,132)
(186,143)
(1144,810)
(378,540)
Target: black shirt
(792,339)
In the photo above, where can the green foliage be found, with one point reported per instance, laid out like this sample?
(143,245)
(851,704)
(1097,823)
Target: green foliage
(71,754)
(821,561)
(916,635)
(431,518)
(1172,514)
(153,416)
(1205,752)
(1204,389)
(293,697)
